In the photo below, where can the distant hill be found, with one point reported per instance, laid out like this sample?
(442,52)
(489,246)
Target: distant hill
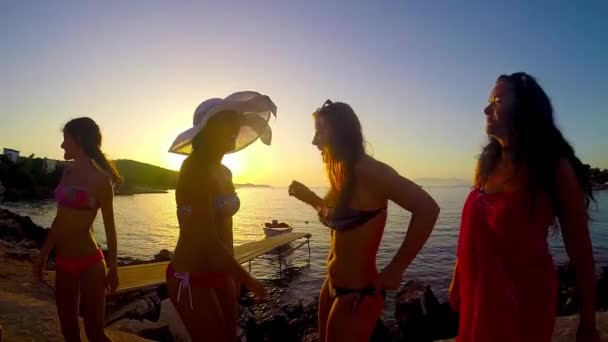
(141,177)
(140,174)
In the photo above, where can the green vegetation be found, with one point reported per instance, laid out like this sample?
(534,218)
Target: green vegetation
(599,178)
(144,178)
(28,179)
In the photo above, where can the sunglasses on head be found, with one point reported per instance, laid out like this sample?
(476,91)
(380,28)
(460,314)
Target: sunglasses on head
(520,78)
(325,106)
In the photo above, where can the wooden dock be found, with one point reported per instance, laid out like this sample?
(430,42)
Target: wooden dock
(137,277)
(114,335)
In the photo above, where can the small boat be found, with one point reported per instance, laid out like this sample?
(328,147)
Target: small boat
(275,228)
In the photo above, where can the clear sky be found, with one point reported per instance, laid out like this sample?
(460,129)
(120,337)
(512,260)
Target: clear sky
(418,74)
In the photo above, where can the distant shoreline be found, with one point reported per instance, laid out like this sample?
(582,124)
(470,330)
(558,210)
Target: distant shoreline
(144,190)
(249,185)
(141,191)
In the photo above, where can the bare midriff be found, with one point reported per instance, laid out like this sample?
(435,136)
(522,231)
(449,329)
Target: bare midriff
(74,234)
(191,251)
(352,257)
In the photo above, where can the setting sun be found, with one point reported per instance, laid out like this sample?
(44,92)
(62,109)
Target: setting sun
(234,163)
(174,161)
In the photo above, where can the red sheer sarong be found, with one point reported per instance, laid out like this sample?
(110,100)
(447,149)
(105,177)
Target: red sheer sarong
(505,276)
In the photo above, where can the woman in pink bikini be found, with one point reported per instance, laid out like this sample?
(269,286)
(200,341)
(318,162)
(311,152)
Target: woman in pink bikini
(528,178)
(204,276)
(81,278)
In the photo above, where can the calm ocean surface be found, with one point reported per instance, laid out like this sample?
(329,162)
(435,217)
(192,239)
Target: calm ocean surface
(147,223)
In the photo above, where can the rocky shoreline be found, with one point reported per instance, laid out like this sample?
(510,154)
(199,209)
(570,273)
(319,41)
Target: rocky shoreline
(418,315)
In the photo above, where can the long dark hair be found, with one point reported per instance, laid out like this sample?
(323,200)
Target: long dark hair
(345,147)
(536,142)
(87,135)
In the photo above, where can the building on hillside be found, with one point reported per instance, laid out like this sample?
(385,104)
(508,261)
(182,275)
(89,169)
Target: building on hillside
(49,165)
(12,155)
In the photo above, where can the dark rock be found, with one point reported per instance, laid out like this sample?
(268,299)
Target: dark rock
(445,322)
(127,261)
(146,308)
(289,322)
(163,255)
(394,330)
(20,229)
(418,312)
(277,329)
(381,333)
(247,329)
(122,261)
(567,302)
(136,305)
(28,244)
(310,335)
(162,292)
(161,334)
(22,255)
(305,316)
(602,290)
(8,244)
(311,306)
(245,299)
(293,311)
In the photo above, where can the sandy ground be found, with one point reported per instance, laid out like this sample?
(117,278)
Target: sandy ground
(27,307)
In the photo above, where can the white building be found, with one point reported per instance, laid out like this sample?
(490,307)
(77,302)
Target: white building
(49,165)
(12,155)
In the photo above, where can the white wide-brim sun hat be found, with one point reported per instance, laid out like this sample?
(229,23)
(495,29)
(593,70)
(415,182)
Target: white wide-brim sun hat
(254,108)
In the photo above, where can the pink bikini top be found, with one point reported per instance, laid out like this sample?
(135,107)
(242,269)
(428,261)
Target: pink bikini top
(75,198)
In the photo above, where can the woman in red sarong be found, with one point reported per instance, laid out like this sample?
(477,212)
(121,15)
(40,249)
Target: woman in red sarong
(527,176)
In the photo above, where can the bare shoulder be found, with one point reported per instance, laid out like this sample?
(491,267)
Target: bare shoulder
(185,171)
(378,178)
(102,182)
(387,184)
(190,167)
(368,166)
(186,164)
(193,177)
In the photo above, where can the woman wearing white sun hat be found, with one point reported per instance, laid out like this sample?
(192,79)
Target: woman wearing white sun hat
(203,275)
